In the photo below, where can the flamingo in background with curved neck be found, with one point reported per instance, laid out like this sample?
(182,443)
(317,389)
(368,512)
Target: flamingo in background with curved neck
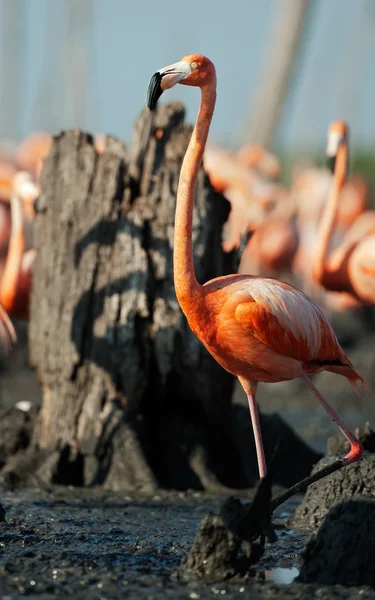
(260,330)
(16,282)
(350,267)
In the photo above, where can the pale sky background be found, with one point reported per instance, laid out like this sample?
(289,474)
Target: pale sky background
(98,80)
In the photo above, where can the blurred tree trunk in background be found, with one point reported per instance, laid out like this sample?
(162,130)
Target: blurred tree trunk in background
(63,86)
(284,43)
(11,65)
(357,55)
(77,60)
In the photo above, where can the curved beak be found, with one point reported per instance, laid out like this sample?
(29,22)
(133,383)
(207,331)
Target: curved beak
(154,90)
(164,79)
(334,140)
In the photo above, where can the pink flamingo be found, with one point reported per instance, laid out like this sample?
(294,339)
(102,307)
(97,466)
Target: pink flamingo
(349,268)
(260,330)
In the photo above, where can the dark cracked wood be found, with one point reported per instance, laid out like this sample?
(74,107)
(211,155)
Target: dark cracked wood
(130,397)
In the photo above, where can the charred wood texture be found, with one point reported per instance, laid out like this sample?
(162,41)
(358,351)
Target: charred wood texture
(128,391)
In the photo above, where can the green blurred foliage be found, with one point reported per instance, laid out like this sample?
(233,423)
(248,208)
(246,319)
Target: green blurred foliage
(361,161)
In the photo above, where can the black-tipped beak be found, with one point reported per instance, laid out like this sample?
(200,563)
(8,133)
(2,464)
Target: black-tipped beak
(331,163)
(154,90)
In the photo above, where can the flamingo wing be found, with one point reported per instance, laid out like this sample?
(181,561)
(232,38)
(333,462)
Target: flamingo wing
(284,319)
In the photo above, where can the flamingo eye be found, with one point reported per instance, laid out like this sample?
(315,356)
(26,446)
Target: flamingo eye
(194,65)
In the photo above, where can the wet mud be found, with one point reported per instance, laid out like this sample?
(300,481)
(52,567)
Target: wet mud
(343,549)
(66,542)
(228,544)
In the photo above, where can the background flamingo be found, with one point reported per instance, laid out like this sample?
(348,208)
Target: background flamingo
(273,245)
(256,156)
(351,267)
(15,285)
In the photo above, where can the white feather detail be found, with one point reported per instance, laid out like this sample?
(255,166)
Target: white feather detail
(294,311)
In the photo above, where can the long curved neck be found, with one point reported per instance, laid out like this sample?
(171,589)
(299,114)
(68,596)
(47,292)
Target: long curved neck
(186,284)
(12,269)
(329,215)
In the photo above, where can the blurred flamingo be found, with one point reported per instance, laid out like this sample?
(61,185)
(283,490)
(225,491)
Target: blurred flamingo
(273,245)
(351,267)
(16,282)
(249,194)
(310,189)
(256,156)
(260,330)
(32,151)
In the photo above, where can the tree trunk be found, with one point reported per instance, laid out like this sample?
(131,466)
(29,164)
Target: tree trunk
(128,390)
(288,24)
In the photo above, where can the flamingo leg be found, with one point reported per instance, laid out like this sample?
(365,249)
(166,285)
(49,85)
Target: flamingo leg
(257,435)
(356,449)
(355,453)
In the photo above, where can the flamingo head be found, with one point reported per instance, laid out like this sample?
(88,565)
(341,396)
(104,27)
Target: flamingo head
(192,69)
(338,134)
(27,190)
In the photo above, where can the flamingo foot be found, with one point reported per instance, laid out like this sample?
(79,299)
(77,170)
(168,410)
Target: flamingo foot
(356,451)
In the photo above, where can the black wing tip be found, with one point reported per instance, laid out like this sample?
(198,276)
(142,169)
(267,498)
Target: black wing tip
(154,90)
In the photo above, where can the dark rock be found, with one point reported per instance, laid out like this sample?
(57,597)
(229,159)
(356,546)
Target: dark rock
(16,428)
(343,549)
(344,484)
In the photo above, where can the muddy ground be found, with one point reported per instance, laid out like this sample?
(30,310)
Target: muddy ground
(65,542)
(88,544)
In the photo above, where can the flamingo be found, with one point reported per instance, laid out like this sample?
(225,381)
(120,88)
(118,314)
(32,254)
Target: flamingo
(16,282)
(256,156)
(273,245)
(32,151)
(350,268)
(242,188)
(258,329)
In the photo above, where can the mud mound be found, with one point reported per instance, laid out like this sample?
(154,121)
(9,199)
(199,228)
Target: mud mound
(357,479)
(226,545)
(214,554)
(343,550)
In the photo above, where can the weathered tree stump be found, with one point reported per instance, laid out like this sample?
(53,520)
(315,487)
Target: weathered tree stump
(128,391)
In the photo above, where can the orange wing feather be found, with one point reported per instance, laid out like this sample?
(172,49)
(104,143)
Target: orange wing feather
(286,320)
(266,330)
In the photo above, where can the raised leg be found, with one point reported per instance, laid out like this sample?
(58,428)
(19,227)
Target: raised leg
(356,449)
(355,453)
